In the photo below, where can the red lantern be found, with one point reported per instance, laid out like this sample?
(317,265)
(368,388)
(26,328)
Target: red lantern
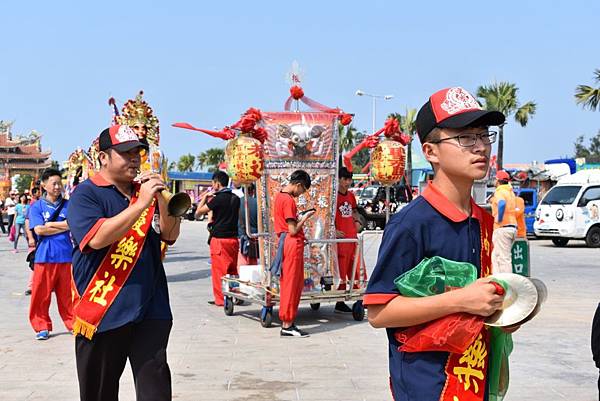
(245,159)
(387,162)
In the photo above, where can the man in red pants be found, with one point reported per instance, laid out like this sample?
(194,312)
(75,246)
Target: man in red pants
(52,269)
(346,220)
(224,243)
(289,264)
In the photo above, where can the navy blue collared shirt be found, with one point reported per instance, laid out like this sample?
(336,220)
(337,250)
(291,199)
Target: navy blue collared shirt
(145,294)
(429,226)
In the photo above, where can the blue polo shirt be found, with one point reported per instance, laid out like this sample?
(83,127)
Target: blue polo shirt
(145,294)
(56,248)
(429,226)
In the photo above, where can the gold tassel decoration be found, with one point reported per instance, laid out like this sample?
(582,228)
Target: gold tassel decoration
(84,328)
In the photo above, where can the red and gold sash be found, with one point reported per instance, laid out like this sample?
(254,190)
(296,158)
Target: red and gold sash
(466,373)
(112,274)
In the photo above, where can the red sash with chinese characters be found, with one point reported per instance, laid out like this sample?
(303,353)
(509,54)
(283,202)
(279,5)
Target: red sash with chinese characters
(112,274)
(466,373)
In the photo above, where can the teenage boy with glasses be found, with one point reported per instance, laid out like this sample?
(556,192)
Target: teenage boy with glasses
(445,222)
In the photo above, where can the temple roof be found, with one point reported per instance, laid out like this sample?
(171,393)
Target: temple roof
(6,142)
(25,148)
(21,152)
(27,166)
(24,156)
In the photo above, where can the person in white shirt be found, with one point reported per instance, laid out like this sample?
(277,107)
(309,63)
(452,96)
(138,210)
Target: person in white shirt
(10,204)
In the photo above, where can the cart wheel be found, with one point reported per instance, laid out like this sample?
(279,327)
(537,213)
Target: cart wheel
(266,316)
(228,306)
(358,311)
(315,306)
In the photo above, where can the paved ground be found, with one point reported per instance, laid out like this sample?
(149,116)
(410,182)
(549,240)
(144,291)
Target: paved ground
(215,357)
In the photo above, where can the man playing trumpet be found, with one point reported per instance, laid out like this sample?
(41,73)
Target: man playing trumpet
(122,306)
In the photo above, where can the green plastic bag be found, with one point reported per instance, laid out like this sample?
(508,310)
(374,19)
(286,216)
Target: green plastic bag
(437,275)
(434,276)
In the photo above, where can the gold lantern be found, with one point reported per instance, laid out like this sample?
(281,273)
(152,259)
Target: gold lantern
(245,159)
(387,162)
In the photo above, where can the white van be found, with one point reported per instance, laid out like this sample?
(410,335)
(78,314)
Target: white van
(570,210)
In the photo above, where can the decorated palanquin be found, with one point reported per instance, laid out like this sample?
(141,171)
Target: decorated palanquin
(137,113)
(307,141)
(80,166)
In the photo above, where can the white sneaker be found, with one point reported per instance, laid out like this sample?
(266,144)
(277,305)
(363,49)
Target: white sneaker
(293,331)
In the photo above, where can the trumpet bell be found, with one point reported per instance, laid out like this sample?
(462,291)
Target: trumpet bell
(177,204)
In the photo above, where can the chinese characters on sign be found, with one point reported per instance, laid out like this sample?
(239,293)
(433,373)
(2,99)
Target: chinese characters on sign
(520,257)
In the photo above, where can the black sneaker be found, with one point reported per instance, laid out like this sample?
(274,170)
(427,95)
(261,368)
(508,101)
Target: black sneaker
(341,307)
(293,331)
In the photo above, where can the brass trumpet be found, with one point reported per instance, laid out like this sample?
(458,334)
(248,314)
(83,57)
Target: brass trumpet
(177,204)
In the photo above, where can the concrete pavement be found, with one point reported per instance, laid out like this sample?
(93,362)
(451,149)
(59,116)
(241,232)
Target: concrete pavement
(216,357)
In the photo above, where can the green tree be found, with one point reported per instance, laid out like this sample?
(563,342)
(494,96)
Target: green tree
(186,163)
(55,165)
(592,152)
(23,182)
(588,96)
(502,96)
(346,137)
(362,158)
(172,166)
(211,158)
(580,149)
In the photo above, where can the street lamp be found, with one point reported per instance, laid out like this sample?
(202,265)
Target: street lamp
(374,97)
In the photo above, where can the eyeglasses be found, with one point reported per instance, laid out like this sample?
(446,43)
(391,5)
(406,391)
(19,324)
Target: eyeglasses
(468,140)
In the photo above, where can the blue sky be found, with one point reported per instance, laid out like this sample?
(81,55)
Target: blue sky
(207,62)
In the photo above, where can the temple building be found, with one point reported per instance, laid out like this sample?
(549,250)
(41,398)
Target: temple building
(20,155)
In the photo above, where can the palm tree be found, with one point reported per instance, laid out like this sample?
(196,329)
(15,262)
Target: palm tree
(347,137)
(211,158)
(186,163)
(502,96)
(587,96)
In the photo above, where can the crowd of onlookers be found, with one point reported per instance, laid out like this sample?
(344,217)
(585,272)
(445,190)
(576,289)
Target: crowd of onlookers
(14,216)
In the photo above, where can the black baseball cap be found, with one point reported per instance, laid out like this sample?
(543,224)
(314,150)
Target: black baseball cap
(454,108)
(119,137)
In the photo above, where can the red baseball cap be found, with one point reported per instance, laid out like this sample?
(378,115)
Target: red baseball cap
(454,108)
(119,137)
(502,175)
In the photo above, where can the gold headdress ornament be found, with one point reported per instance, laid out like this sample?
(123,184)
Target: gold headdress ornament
(138,111)
(94,152)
